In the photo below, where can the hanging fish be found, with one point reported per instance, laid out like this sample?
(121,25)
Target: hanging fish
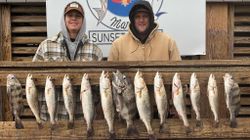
(107,102)
(213,99)
(32,99)
(15,93)
(124,99)
(143,103)
(232,94)
(50,98)
(68,98)
(88,107)
(160,99)
(178,100)
(195,94)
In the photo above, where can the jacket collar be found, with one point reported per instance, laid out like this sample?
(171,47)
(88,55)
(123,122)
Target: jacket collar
(151,35)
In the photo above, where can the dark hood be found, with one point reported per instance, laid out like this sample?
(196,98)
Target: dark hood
(137,7)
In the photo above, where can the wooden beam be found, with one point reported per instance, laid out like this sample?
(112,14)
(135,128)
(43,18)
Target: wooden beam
(218,35)
(174,127)
(6,30)
(1,33)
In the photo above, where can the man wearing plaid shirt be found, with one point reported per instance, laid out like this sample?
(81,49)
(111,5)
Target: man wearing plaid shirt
(71,44)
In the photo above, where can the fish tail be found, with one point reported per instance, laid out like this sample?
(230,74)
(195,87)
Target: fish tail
(131,131)
(233,123)
(90,132)
(70,124)
(18,123)
(151,137)
(40,125)
(161,129)
(112,136)
(53,126)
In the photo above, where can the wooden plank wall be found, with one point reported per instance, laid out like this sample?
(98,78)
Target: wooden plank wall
(28,29)
(242,31)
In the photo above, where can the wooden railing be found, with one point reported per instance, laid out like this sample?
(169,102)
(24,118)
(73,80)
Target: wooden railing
(239,69)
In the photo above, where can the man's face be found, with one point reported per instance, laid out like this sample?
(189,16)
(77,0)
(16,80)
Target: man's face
(141,22)
(73,21)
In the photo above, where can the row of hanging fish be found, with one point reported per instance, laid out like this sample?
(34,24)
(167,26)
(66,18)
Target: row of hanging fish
(125,98)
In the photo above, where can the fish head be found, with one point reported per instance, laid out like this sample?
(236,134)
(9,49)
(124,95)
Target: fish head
(138,80)
(193,81)
(66,80)
(211,80)
(30,79)
(176,84)
(158,81)
(228,78)
(49,81)
(104,80)
(119,81)
(12,80)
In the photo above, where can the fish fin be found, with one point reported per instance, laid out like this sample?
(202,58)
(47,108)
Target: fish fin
(40,125)
(18,123)
(112,136)
(70,125)
(90,132)
(188,130)
(132,131)
(233,124)
(151,137)
(161,128)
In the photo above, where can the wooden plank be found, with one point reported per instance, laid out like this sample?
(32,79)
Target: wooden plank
(29,29)
(242,19)
(174,127)
(24,50)
(242,9)
(242,40)
(27,40)
(28,9)
(25,59)
(218,45)
(1,34)
(28,19)
(243,29)
(1,104)
(241,50)
(6,30)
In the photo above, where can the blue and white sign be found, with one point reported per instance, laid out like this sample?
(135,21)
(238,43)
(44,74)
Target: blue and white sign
(184,20)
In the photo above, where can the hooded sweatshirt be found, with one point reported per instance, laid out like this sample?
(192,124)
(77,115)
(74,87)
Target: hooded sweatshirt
(144,6)
(72,45)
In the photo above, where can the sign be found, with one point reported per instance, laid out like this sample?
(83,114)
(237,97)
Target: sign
(106,20)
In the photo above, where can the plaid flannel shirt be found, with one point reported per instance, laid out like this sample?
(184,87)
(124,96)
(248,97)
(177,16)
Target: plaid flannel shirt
(55,49)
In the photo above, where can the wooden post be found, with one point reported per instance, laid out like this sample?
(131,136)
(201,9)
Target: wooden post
(6,32)
(218,32)
(1,34)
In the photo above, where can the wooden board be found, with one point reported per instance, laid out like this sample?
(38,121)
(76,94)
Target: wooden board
(174,129)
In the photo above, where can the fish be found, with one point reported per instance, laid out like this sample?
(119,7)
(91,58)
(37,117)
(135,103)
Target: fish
(143,102)
(160,99)
(178,100)
(88,107)
(124,99)
(68,98)
(212,92)
(50,98)
(232,95)
(102,11)
(15,93)
(107,102)
(195,95)
(32,99)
